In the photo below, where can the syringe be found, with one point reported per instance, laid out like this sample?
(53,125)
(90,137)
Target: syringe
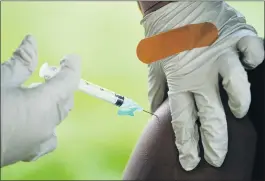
(127,106)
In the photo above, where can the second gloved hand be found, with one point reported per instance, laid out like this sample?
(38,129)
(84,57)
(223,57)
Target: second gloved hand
(29,116)
(192,77)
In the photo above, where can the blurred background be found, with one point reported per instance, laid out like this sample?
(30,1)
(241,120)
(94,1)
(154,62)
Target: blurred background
(94,142)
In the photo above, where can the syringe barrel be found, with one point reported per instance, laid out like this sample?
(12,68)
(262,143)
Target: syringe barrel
(101,93)
(48,72)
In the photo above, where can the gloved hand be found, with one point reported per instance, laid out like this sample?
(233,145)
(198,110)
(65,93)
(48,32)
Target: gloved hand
(29,116)
(192,77)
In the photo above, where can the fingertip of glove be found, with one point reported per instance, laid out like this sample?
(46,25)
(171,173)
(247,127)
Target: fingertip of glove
(250,39)
(252,48)
(241,107)
(26,53)
(215,163)
(240,114)
(71,61)
(189,163)
(30,39)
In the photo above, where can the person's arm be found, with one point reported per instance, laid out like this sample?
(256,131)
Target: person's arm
(29,116)
(155,155)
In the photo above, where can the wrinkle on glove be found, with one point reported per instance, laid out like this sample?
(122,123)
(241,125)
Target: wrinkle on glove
(30,114)
(192,76)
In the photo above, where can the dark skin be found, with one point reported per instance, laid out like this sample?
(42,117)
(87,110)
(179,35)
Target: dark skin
(155,156)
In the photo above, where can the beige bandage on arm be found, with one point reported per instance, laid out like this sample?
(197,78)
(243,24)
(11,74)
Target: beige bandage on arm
(168,43)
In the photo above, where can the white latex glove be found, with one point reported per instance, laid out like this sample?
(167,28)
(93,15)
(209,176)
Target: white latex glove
(192,77)
(29,116)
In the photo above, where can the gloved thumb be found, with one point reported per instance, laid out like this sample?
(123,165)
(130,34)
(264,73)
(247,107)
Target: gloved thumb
(63,85)
(252,50)
(20,66)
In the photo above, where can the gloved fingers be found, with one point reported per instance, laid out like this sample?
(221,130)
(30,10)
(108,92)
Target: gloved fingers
(63,85)
(63,105)
(235,82)
(213,128)
(42,149)
(156,86)
(17,70)
(184,116)
(252,50)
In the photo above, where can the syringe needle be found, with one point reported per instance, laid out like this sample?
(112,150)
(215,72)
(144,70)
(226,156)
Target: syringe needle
(97,91)
(150,113)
